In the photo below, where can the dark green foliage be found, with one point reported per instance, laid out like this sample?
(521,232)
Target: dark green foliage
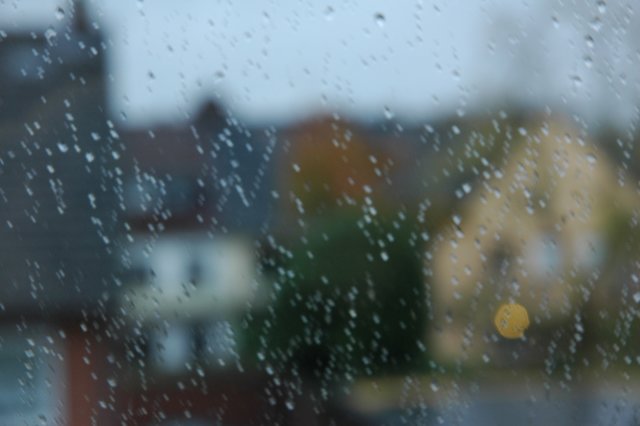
(348,308)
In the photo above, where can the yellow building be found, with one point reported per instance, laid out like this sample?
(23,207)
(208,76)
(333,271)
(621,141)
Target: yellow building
(535,230)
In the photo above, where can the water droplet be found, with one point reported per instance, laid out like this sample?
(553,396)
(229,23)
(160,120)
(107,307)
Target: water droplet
(576,80)
(388,114)
(89,157)
(290,405)
(50,34)
(636,297)
(63,147)
(602,7)
(60,13)
(380,19)
(329,13)
(589,41)
(596,24)
(384,256)
(591,158)
(588,61)
(218,76)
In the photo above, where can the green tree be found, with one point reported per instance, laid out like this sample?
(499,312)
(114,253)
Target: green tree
(354,302)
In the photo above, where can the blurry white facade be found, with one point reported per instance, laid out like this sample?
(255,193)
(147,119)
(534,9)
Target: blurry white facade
(188,293)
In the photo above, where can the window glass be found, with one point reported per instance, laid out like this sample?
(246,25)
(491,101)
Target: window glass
(319,213)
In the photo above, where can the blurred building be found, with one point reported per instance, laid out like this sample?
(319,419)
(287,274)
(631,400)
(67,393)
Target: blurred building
(194,201)
(58,190)
(539,229)
(328,163)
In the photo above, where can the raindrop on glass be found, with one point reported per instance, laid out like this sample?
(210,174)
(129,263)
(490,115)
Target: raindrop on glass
(60,13)
(50,34)
(329,13)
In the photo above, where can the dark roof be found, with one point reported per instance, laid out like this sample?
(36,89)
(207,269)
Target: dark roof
(214,174)
(58,175)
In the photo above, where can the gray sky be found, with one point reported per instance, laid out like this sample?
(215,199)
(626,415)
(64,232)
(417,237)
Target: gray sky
(280,60)
(273,59)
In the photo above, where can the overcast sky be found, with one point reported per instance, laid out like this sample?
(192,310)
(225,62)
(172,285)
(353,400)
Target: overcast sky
(280,60)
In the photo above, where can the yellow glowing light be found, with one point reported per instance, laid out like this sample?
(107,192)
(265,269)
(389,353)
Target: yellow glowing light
(511,320)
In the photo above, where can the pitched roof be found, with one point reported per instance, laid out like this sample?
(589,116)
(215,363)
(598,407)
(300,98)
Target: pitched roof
(213,174)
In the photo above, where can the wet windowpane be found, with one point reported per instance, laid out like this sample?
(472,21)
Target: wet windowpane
(319,213)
